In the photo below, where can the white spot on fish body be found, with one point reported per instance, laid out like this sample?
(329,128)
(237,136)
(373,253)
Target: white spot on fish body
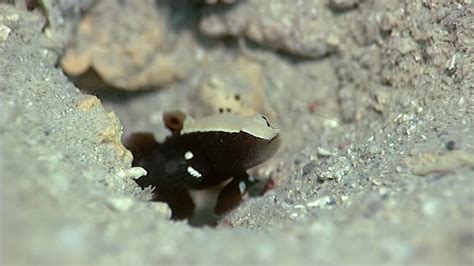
(194,172)
(188,155)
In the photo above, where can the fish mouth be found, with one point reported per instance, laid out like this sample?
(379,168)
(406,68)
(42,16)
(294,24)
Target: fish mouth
(276,138)
(273,145)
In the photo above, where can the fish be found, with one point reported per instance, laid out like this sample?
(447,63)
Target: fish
(210,154)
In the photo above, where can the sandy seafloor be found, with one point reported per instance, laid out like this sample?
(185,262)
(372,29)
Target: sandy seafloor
(374,100)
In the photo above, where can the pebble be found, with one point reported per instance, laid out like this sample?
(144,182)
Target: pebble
(375,182)
(330,123)
(133,173)
(343,5)
(427,163)
(451,145)
(430,208)
(120,204)
(162,208)
(344,198)
(309,167)
(343,167)
(383,191)
(322,152)
(4,32)
(12,18)
(319,203)
(406,45)
(374,149)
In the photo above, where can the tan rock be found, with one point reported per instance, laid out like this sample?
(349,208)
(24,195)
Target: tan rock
(128,44)
(239,87)
(87,103)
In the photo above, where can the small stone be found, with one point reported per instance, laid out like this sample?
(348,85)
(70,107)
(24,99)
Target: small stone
(376,182)
(322,152)
(320,203)
(87,103)
(406,45)
(299,206)
(162,208)
(430,208)
(294,215)
(383,191)
(309,167)
(374,149)
(4,32)
(343,5)
(133,173)
(323,175)
(427,163)
(451,64)
(333,40)
(343,166)
(388,22)
(451,145)
(330,123)
(120,204)
(12,17)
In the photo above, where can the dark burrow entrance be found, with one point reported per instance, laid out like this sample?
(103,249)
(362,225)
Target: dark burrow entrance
(200,206)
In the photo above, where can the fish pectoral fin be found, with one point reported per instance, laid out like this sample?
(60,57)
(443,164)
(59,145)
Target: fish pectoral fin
(231,195)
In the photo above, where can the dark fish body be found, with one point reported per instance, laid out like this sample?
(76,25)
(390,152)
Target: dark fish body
(198,160)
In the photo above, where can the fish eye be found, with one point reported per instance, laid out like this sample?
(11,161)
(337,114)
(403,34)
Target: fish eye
(261,119)
(266,121)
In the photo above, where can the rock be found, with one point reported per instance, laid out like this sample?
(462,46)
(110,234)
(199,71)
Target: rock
(343,5)
(428,163)
(112,134)
(320,202)
(237,87)
(4,32)
(120,204)
(309,168)
(87,103)
(141,57)
(341,168)
(322,152)
(306,28)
